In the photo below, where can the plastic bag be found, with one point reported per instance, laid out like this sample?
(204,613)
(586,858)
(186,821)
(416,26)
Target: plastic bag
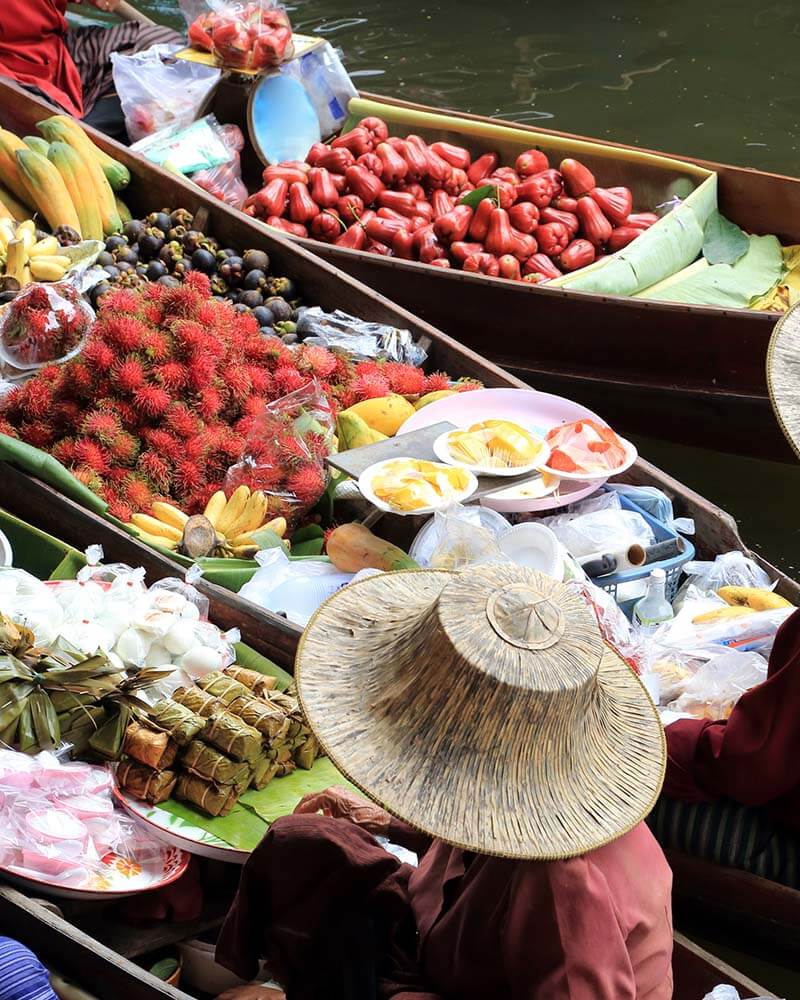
(292,588)
(724,992)
(158,91)
(202,145)
(250,36)
(615,628)
(45,323)
(432,535)
(462,537)
(327,84)
(730,569)
(225,181)
(719,683)
(656,503)
(358,338)
(285,452)
(602,527)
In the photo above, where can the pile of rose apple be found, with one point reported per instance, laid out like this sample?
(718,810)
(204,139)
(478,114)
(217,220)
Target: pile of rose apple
(404,198)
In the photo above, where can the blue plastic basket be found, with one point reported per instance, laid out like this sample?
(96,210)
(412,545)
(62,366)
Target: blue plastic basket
(672,567)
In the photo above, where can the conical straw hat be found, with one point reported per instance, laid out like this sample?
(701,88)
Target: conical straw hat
(783,375)
(484,709)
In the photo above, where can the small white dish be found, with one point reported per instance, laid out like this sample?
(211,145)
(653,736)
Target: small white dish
(6,552)
(367,476)
(441,448)
(631,454)
(534,546)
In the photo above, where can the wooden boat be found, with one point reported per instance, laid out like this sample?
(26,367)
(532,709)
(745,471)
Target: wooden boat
(269,634)
(691,374)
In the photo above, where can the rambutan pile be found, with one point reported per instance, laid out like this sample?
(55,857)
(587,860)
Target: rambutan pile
(169,393)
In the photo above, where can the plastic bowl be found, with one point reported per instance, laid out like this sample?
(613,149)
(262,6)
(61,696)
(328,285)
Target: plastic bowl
(534,546)
(365,485)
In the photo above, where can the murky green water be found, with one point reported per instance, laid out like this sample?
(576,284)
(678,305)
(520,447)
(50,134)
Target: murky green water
(717,80)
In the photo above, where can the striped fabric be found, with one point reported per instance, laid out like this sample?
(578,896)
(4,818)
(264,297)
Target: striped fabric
(22,975)
(91,49)
(731,835)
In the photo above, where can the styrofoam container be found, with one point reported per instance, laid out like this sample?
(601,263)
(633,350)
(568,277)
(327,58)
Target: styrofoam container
(6,552)
(534,546)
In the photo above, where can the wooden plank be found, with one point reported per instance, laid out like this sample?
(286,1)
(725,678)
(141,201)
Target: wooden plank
(134,941)
(77,955)
(696,972)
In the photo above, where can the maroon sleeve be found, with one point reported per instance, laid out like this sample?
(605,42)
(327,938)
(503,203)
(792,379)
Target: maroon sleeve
(562,935)
(406,836)
(751,758)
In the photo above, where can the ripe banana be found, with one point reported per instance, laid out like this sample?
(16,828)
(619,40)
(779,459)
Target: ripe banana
(251,517)
(215,507)
(47,247)
(152,526)
(721,614)
(165,543)
(234,508)
(169,514)
(16,260)
(49,268)
(753,597)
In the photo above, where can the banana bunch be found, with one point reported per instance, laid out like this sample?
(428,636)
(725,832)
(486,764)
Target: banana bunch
(235,520)
(26,259)
(225,528)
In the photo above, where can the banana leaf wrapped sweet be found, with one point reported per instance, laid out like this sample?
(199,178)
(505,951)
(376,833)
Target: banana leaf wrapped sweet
(307,752)
(268,719)
(182,724)
(197,701)
(230,734)
(283,770)
(208,763)
(264,770)
(144,783)
(258,683)
(224,688)
(149,747)
(216,800)
(286,702)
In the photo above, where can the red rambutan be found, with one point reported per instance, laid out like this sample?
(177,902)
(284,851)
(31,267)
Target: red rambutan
(260,379)
(88,452)
(156,345)
(343,372)
(88,477)
(137,493)
(38,433)
(163,443)
(370,368)
(121,300)
(237,383)
(404,379)
(317,360)
(64,451)
(123,332)
(307,484)
(81,380)
(124,448)
(189,336)
(209,402)
(188,477)
(151,400)
(201,370)
(181,421)
(288,380)
(37,399)
(437,382)
(155,470)
(172,375)
(372,386)
(98,355)
(128,374)
(66,416)
(467,386)
(117,507)
(198,283)
(102,425)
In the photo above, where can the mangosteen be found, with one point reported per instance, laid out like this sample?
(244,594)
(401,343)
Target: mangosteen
(9,284)
(240,307)
(254,279)
(176,232)
(104,258)
(115,242)
(233,295)
(182,267)
(171,253)
(205,261)
(263,316)
(286,327)
(159,220)
(267,331)
(141,270)
(123,266)
(231,270)
(252,299)
(9,296)
(181,217)
(256,260)
(133,230)
(149,245)
(127,255)
(218,286)
(227,252)
(168,281)
(210,244)
(112,271)
(280,308)
(284,287)
(98,292)
(67,236)
(155,269)
(289,338)
(192,240)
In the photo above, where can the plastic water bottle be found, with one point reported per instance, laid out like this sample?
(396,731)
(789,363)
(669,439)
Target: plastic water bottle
(653,609)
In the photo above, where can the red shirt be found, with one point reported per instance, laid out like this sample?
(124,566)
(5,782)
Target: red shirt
(32,50)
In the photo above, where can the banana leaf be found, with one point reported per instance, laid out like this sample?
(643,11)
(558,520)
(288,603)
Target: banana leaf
(25,731)
(107,740)
(43,466)
(13,697)
(45,721)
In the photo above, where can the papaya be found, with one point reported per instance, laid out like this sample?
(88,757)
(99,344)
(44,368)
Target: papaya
(47,186)
(352,547)
(432,397)
(386,414)
(60,128)
(11,176)
(116,173)
(354,432)
(70,166)
(123,211)
(13,206)
(37,144)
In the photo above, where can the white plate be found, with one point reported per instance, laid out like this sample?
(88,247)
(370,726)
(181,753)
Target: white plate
(631,454)
(365,485)
(441,448)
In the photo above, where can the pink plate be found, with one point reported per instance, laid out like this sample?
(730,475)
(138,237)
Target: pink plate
(536,411)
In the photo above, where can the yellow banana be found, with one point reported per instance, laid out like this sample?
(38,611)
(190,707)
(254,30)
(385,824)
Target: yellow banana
(244,539)
(278,525)
(721,614)
(16,260)
(49,268)
(753,597)
(233,508)
(168,513)
(244,551)
(251,517)
(152,526)
(27,226)
(215,507)
(7,233)
(166,543)
(48,247)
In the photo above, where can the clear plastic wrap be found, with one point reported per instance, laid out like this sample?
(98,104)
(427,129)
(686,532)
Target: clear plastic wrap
(600,526)
(656,503)
(615,628)
(224,181)
(725,992)
(327,83)
(202,145)
(45,323)
(253,36)
(460,537)
(286,450)
(428,543)
(158,91)
(292,588)
(729,569)
(715,687)
(356,337)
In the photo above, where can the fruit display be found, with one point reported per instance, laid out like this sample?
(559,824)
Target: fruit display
(434,203)
(229,527)
(494,444)
(585,446)
(406,485)
(164,247)
(29,254)
(252,36)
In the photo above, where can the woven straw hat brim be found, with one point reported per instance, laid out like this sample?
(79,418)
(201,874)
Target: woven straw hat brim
(783,375)
(477,773)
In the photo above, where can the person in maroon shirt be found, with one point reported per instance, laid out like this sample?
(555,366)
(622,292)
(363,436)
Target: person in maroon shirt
(521,752)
